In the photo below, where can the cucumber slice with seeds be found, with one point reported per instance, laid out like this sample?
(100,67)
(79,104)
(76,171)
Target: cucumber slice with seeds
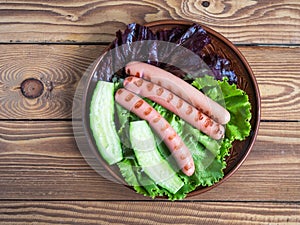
(102,122)
(149,158)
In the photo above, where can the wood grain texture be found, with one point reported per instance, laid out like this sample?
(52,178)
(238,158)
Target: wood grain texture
(40,160)
(60,68)
(113,213)
(44,178)
(278,76)
(97,21)
(267,170)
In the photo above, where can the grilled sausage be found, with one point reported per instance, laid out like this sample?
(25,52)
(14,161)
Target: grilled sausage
(180,88)
(176,105)
(178,149)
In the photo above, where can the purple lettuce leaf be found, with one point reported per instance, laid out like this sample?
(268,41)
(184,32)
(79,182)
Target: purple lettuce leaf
(194,38)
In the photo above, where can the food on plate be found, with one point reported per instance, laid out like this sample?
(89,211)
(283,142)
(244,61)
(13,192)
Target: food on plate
(143,110)
(102,123)
(158,151)
(151,161)
(180,88)
(175,104)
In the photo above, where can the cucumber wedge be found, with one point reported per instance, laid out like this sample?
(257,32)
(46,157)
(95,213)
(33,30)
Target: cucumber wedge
(102,123)
(149,158)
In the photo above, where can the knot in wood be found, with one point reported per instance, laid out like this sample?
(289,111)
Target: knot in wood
(205,3)
(32,88)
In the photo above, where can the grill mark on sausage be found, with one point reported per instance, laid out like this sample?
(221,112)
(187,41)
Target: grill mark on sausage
(171,137)
(182,157)
(159,91)
(177,147)
(218,130)
(138,104)
(138,83)
(155,120)
(189,110)
(188,166)
(129,97)
(179,104)
(150,86)
(137,74)
(147,111)
(207,113)
(207,122)
(200,115)
(119,91)
(170,97)
(199,108)
(165,127)
(129,79)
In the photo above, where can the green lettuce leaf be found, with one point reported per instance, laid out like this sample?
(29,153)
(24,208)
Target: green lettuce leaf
(236,102)
(140,182)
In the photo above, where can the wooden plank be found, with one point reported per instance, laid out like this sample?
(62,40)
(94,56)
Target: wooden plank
(267,170)
(60,67)
(79,212)
(277,73)
(97,21)
(40,160)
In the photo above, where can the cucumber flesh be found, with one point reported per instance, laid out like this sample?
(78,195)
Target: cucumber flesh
(149,158)
(102,123)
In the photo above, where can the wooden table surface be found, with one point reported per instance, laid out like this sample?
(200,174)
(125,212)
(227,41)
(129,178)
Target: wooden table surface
(43,177)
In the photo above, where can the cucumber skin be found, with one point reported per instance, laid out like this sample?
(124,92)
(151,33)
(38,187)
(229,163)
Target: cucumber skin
(149,158)
(102,123)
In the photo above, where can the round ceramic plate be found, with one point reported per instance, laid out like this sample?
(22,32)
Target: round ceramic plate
(220,45)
